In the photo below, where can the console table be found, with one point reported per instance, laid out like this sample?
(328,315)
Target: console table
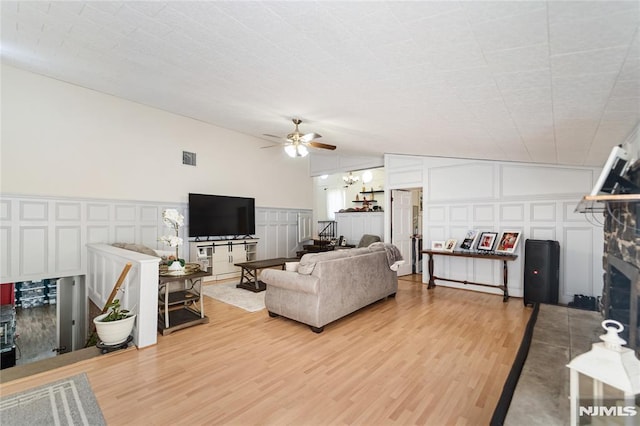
(475,255)
(249,277)
(181,308)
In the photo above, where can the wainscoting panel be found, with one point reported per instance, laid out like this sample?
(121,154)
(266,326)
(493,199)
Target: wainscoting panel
(34,244)
(537,199)
(98,212)
(125,213)
(578,257)
(98,234)
(5,246)
(34,210)
(446,183)
(68,250)
(541,233)
(459,214)
(518,181)
(44,237)
(5,210)
(125,233)
(436,214)
(512,213)
(277,231)
(483,213)
(543,212)
(68,211)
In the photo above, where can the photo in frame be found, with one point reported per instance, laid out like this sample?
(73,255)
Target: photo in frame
(450,245)
(486,241)
(469,239)
(508,242)
(437,245)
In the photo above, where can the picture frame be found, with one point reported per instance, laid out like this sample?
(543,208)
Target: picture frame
(486,241)
(470,239)
(450,244)
(437,245)
(508,242)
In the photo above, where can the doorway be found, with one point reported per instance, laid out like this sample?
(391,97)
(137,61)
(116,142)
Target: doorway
(406,227)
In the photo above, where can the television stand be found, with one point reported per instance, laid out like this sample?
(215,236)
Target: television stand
(218,257)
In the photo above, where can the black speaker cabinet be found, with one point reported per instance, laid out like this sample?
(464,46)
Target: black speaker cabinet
(541,271)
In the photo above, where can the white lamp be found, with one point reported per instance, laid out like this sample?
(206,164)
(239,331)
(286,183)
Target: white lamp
(611,364)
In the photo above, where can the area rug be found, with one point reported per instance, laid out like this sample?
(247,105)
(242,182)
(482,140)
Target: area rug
(68,401)
(231,295)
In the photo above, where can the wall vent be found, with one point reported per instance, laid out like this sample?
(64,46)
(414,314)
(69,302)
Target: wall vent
(189,158)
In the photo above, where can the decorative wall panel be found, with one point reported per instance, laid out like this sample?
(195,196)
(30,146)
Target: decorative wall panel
(125,213)
(483,213)
(577,253)
(436,214)
(68,250)
(539,200)
(34,210)
(543,212)
(151,213)
(125,233)
(98,234)
(5,210)
(458,213)
(528,181)
(512,212)
(68,211)
(5,246)
(33,243)
(541,233)
(97,212)
(466,182)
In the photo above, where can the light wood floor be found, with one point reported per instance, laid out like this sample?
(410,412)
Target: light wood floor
(436,356)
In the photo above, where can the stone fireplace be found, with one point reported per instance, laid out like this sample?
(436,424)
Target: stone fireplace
(621,260)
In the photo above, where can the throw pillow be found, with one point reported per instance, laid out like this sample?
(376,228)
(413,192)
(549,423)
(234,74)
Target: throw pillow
(291,266)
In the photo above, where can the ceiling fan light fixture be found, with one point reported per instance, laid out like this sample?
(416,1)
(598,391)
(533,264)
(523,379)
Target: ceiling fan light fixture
(296,150)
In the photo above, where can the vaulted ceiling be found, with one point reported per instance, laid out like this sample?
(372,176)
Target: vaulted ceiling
(552,82)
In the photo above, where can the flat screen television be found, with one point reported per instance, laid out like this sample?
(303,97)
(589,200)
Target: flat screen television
(611,179)
(221,216)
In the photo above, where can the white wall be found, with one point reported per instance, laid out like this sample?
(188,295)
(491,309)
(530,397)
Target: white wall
(64,140)
(538,200)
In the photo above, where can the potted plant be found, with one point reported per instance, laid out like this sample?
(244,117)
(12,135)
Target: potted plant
(114,326)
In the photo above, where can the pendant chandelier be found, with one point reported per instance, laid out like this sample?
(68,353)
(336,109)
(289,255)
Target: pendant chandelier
(350,179)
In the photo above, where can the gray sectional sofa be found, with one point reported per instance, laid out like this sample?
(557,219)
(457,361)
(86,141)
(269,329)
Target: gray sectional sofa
(330,285)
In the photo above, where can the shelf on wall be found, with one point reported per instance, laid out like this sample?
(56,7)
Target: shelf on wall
(596,203)
(362,201)
(380,191)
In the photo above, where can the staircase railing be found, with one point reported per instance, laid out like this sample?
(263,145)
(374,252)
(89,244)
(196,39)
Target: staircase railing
(328,229)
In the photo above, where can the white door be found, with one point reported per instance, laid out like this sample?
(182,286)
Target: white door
(402,226)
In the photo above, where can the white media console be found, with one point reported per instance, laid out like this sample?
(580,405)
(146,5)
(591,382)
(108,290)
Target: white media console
(218,257)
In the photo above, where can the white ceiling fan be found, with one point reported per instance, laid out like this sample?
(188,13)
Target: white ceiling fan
(296,144)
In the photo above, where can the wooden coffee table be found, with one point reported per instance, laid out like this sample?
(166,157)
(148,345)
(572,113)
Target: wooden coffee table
(249,278)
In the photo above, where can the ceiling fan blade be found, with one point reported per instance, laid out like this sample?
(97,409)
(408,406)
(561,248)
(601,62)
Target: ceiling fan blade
(321,145)
(309,137)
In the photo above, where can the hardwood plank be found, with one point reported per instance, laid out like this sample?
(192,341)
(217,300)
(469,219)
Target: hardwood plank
(426,357)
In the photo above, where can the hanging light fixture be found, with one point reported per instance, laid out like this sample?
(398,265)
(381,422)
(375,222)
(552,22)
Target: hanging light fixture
(350,179)
(296,150)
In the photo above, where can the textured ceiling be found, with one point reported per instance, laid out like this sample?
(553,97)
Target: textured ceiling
(551,82)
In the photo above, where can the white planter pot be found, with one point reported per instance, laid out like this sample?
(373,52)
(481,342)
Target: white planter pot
(176,267)
(113,332)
